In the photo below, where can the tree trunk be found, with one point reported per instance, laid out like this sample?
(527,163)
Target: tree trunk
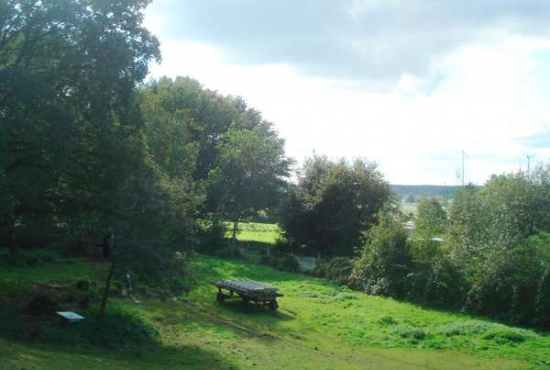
(107,289)
(234,236)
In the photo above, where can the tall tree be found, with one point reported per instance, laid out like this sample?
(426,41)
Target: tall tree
(250,173)
(332,205)
(70,135)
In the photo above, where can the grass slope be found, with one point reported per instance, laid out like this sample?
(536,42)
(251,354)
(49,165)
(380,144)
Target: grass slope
(320,326)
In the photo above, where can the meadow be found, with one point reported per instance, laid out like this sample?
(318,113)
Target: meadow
(319,326)
(256,232)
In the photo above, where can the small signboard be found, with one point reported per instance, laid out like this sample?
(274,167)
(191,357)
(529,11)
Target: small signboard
(70,316)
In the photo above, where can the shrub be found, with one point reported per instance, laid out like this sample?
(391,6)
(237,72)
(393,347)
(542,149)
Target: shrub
(385,260)
(435,278)
(505,335)
(543,301)
(467,328)
(211,236)
(269,261)
(387,320)
(30,257)
(42,305)
(410,332)
(11,324)
(15,288)
(290,263)
(337,270)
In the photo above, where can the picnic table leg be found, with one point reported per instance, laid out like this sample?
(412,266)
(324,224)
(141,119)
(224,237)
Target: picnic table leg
(246,303)
(273,306)
(220,297)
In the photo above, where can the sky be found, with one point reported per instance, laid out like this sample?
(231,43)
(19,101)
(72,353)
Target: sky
(408,84)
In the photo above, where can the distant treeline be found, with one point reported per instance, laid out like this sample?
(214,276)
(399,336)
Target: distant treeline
(427,191)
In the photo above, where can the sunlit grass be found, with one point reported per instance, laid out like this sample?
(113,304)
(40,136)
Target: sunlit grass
(320,326)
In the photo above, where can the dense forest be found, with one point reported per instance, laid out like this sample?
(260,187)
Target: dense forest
(152,171)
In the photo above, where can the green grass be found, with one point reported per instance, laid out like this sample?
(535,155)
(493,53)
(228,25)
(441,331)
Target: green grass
(320,326)
(408,208)
(256,232)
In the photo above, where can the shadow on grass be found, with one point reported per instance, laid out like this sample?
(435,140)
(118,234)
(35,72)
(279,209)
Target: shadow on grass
(256,311)
(145,357)
(124,339)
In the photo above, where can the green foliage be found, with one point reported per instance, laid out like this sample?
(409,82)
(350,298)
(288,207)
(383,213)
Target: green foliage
(211,234)
(431,218)
(385,260)
(497,235)
(337,270)
(154,266)
(42,305)
(435,278)
(250,173)
(411,332)
(11,323)
(388,320)
(71,140)
(289,263)
(30,257)
(333,203)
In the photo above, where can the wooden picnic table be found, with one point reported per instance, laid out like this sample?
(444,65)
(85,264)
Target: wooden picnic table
(248,291)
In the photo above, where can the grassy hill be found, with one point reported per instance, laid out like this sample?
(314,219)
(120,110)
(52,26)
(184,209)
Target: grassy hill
(320,326)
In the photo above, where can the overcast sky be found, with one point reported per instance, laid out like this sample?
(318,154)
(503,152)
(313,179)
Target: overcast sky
(408,84)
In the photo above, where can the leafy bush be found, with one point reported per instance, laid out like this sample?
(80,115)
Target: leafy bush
(211,236)
(410,332)
(387,320)
(290,263)
(385,260)
(30,257)
(42,305)
(543,301)
(435,278)
(11,324)
(467,328)
(507,335)
(337,270)
(15,288)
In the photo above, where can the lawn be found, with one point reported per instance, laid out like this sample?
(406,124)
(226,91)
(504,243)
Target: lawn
(256,232)
(320,326)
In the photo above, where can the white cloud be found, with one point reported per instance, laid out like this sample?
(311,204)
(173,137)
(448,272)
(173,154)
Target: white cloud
(481,98)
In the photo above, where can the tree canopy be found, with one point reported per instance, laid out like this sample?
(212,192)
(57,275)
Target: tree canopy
(332,205)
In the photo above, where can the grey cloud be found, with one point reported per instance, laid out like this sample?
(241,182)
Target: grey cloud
(351,39)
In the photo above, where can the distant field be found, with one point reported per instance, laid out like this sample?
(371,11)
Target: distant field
(408,208)
(320,327)
(256,232)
